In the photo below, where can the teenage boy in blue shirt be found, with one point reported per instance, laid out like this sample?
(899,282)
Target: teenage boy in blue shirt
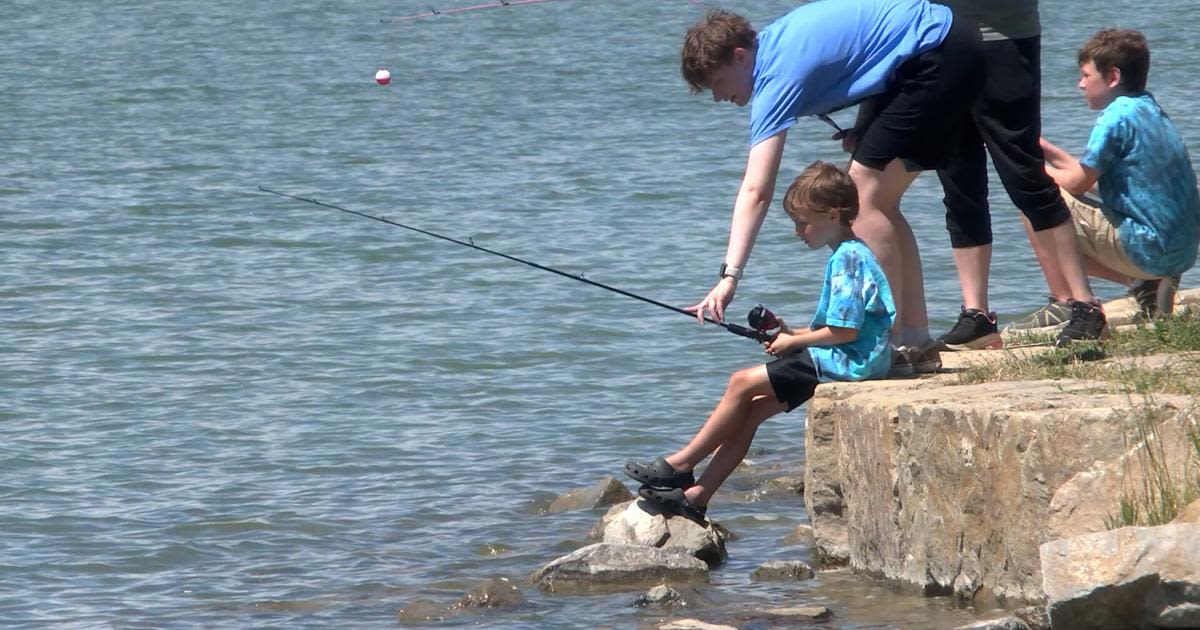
(848,340)
(912,69)
(1145,228)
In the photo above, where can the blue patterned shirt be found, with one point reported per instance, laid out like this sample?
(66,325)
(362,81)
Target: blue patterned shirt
(1147,184)
(856,295)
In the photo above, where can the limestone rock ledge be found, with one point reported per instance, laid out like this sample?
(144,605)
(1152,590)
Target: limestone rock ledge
(949,487)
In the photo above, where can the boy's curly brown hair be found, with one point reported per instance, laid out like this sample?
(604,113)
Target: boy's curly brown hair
(823,188)
(1119,48)
(709,45)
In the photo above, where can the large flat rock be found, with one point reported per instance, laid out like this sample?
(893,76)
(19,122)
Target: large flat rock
(1132,577)
(614,566)
(949,487)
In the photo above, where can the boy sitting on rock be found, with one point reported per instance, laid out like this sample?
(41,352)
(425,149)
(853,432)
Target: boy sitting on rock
(1143,233)
(847,341)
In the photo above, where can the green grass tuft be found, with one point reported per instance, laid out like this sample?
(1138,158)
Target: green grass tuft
(1163,492)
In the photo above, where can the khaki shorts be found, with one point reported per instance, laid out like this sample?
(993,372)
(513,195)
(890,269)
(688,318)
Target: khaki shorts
(1098,238)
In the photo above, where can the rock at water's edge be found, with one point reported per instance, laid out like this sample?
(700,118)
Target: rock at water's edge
(947,486)
(662,596)
(495,593)
(1124,578)
(608,492)
(781,571)
(612,565)
(810,613)
(641,523)
(693,624)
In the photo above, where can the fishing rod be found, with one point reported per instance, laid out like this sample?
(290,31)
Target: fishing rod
(827,119)
(757,333)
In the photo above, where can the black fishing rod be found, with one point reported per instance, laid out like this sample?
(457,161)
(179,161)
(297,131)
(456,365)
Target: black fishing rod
(757,335)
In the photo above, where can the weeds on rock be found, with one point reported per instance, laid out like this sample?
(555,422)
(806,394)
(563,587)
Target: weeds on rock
(1102,361)
(1160,491)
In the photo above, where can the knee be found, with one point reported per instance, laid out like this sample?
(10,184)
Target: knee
(741,383)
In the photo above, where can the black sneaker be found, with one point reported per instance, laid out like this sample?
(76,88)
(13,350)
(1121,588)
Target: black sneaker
(1155,297)
(1145,292)
(1087,323)
(1166,294)
(974,330)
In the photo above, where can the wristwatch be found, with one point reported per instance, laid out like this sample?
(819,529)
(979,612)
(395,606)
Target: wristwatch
(729,271)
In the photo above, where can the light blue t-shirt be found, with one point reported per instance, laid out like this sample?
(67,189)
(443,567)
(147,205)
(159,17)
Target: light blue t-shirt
(1147,184)
(834,53)
(855,294)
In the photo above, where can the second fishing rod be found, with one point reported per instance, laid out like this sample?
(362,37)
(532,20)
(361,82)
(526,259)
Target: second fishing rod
(761,320)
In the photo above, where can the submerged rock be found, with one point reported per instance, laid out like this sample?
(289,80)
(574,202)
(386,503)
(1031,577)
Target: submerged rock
(641,523)
(787,485)
(492,549)
(1002,623)
(495,593)
(662,595)
(613,565)
(797,613)
(802,535)
(1126,578)
(782,570)
(692,624)
(422,610)
(607,492)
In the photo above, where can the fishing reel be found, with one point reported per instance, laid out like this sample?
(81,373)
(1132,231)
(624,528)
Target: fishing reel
(763,320)
(763,325)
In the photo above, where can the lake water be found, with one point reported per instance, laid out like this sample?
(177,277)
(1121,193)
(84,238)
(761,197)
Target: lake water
(226,409)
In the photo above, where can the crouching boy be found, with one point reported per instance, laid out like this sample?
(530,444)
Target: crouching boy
(846,341)
(1144,230)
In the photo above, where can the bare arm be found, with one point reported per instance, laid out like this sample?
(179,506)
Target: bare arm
(785,343)
(1066,171)
(753,199)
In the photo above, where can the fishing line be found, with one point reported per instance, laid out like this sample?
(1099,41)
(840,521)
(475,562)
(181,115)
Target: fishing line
(733,328)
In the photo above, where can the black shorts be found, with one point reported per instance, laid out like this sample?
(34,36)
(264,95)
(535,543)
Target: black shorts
(927,104)
(793,378)
(1007,119)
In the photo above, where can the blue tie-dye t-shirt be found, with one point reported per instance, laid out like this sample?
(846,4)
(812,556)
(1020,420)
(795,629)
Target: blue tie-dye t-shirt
(855,294)
(1147,184)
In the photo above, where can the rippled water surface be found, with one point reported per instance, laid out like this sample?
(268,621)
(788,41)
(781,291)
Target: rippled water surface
(223,408)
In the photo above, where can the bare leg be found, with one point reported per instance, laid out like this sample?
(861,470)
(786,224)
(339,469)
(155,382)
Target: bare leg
(881,226)
(1099,270)
(729,417)
(1062,263)
(733,450)
(973,265)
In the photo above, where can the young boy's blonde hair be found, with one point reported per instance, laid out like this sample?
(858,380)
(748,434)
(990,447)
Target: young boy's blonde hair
(1119,48)
(823,188)
(709,45)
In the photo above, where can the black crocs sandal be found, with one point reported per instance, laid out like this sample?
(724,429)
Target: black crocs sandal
(660,474)
(675,502)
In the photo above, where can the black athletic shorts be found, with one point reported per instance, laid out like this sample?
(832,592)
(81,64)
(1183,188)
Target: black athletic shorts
(926,106)
(1007,119)
(793,378)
